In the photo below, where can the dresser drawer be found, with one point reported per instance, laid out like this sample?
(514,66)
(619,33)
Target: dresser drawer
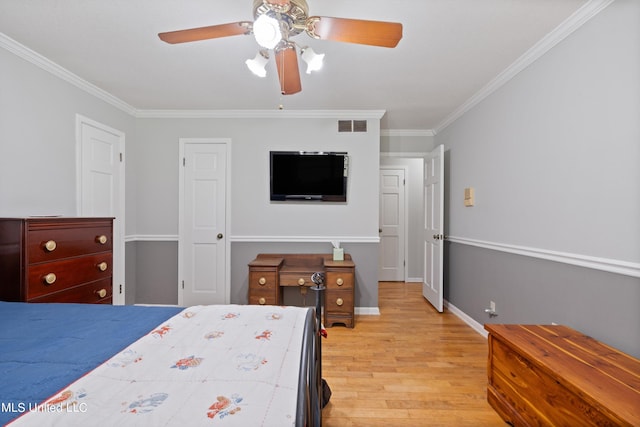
(339,279)
(49,244)
(99,292)
(50,277)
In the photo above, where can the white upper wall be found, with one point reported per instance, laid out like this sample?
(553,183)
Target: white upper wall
(554,153)
(37,137)
(253,216)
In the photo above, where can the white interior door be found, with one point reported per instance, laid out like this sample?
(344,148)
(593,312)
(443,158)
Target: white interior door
(202,247)
(100,192)
(433,227)
(391,261)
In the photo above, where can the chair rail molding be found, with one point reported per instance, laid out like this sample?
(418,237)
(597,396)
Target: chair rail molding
(598,263)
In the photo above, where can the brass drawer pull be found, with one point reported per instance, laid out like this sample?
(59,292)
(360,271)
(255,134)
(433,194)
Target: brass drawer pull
(101,293)
(262,281)
(262,301)
(339,302)
(50,246)
(301,281)
(102,266)
(339,282)
(49,279)
(102,239)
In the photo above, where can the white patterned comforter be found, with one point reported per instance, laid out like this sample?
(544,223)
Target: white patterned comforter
(229,365)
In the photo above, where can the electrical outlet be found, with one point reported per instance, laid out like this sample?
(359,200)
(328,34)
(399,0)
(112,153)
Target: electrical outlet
(492,306)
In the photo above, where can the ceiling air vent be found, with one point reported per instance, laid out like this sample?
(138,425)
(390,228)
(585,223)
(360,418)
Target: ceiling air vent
(352,125)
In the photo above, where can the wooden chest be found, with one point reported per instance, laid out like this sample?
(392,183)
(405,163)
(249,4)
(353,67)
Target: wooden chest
(543,375)
(56,259)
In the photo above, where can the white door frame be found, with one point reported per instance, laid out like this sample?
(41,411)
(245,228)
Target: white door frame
(406,215)
(119,285)
(181,213)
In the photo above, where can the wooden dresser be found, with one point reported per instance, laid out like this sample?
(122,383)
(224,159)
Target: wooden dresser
(56,259)
(543,375)
(269,272)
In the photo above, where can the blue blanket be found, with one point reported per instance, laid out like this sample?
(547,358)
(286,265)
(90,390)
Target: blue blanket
(44,347)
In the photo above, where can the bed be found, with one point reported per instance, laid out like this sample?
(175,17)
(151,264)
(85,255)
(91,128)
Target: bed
(227,365)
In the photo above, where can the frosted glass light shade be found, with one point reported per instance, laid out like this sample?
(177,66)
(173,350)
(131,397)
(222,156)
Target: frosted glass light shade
(267,31)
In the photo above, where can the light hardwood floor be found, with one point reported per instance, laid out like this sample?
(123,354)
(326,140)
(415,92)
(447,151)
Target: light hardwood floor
(410,366)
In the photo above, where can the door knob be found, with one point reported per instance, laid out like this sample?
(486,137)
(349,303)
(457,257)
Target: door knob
(220,236)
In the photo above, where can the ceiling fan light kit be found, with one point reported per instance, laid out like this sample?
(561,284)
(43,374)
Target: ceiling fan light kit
(267,31)
(314,60)
(257,65)
(276,21)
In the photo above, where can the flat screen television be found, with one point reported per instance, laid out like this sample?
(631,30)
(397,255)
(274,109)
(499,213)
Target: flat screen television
(309,175)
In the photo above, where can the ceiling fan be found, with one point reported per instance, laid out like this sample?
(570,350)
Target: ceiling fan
(276,21)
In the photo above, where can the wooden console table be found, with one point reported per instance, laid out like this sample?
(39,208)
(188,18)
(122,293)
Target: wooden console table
(552,375)
(268,273)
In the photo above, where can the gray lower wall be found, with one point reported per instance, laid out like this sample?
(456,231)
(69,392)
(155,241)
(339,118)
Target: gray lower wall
(152,270)
(365,256)
(530,290)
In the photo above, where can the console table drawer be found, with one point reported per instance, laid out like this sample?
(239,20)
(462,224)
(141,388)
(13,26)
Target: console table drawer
(263,280)
(340,302)
(339,280)
(295,279)
(263,298)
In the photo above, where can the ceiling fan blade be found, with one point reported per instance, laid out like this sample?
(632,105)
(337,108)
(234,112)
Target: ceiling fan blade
(205,33)
(374,33)
(288,71)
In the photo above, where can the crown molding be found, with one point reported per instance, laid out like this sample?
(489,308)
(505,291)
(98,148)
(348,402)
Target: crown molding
(407,132)
(562,31)
(575,21)
(47,65)
(260,114)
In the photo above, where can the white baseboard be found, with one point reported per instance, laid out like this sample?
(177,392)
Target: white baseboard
(367,311)
(479,328)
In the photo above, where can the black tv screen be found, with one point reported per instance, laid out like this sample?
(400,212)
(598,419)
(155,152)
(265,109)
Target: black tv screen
(307,175)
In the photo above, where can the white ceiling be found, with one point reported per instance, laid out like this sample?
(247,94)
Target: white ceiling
(451,49)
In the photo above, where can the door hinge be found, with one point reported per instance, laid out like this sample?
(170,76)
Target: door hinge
(184,161)
(121,156)
(120,288)
(183,284)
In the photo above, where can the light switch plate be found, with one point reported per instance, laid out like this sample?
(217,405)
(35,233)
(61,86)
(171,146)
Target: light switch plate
(469,196)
